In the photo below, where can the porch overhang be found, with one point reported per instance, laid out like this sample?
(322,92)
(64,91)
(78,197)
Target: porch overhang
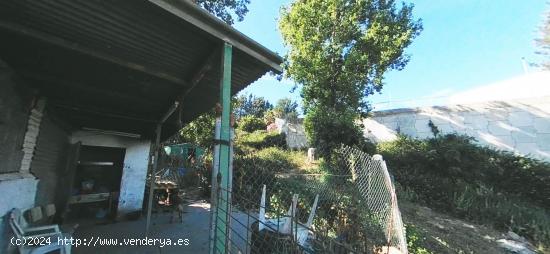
(120,65)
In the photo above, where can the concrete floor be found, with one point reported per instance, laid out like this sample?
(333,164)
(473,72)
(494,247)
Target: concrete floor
(195,228)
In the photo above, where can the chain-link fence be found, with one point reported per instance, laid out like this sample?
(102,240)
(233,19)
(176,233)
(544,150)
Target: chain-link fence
(282,201)
(181,176)
(375,186)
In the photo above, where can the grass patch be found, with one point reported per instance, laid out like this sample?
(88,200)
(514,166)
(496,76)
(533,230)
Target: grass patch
(260,139)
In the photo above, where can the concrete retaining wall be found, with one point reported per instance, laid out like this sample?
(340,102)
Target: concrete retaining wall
(521,126)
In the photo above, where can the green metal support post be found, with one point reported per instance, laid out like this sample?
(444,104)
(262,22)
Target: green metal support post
(223,206)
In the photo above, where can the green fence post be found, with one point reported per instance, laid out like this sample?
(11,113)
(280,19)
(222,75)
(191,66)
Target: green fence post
(221,224)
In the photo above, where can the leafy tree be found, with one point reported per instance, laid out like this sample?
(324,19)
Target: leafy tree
(338,52)
(286,108)
(331,129)
(544,42)
(200,131)
(251,123)
(269,116)
(225,9)
(251,106)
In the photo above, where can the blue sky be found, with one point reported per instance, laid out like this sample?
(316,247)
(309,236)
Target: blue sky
(465,44)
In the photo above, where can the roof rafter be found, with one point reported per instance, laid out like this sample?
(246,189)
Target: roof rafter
(98,112)
(86,88)
(195,80)
(200,18)
(90,52)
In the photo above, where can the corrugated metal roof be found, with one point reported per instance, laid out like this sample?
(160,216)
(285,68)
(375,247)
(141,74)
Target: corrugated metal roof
(120,64)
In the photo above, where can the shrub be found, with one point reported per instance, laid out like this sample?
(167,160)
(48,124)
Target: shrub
(452,173)
(455,157)
(483,204)
(415,240)
(251,123)
(328,129)
(252,170)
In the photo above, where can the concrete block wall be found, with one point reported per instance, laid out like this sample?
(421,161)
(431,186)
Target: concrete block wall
(521,126)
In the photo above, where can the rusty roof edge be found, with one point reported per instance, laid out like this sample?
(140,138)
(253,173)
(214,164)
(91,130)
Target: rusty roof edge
(202,19)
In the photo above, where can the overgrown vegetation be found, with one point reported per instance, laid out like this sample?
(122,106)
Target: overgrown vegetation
(260,139)
(199,132)
(251,123)
(415,240)
(259,156)
(453,174)
(449,173)
(262,158)
(332,129)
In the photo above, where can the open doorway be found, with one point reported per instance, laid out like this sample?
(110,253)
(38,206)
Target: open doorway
(96,184)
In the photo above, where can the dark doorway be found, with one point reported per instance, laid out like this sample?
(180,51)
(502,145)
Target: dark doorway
(96,184)
(102,165)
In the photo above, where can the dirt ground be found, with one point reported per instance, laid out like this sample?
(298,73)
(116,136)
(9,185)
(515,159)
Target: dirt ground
(445,234)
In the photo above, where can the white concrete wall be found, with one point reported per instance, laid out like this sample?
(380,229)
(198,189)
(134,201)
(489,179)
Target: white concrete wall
(20,190)
(295,133)
(136,160)
(521,126)
(132,186)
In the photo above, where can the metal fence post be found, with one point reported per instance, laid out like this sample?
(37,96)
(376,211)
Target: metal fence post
(221,222)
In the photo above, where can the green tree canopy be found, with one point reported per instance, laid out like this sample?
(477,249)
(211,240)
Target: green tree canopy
(286,108)
(225,9)
(200,131)
(340,49)
(338,52)
(250,106)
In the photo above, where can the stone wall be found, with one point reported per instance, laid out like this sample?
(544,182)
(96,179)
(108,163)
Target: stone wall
(521,126)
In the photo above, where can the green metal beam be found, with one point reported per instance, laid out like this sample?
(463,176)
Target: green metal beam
(221,240)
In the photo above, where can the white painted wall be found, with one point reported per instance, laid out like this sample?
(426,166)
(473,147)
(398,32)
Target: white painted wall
(136,160)
(132,186)
(295,133)
(20,190)
(521,125)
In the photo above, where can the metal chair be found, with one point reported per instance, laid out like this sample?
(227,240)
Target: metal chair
(284,225)
(26,234)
